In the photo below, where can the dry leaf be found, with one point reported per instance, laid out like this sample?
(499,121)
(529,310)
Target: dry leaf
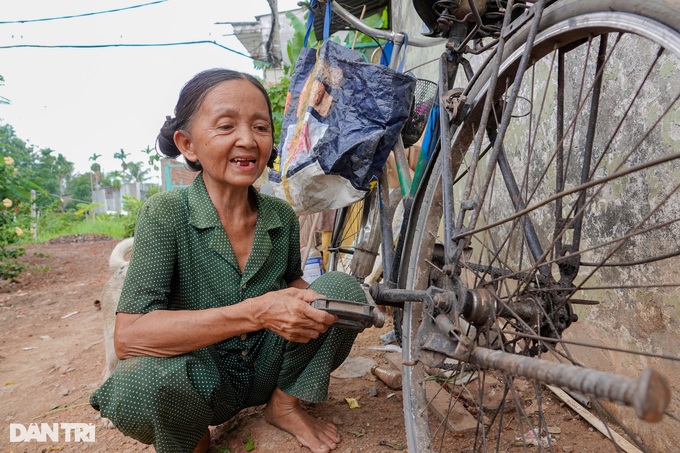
(353,403)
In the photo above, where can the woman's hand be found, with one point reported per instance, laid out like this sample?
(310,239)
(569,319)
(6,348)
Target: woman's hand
(166,333)
(289,314)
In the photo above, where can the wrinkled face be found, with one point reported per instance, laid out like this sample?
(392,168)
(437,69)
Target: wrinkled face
(230,134)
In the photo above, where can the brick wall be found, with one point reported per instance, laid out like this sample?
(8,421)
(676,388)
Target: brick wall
(175,174)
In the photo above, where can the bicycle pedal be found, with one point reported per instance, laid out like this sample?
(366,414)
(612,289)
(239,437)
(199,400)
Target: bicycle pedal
(351,315)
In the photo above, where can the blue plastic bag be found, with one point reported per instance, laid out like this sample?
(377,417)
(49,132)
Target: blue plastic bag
(343,116)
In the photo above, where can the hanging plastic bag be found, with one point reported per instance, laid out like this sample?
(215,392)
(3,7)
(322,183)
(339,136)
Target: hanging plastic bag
(343,116)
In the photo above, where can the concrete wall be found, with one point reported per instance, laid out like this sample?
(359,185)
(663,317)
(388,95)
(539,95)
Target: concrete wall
(112,198)
(640,319)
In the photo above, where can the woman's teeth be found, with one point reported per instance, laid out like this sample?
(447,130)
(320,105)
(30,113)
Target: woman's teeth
(243,162)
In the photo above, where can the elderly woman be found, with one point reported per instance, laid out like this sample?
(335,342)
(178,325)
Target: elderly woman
(214,315)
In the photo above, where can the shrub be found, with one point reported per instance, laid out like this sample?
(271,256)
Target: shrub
(132,206)
(14,219)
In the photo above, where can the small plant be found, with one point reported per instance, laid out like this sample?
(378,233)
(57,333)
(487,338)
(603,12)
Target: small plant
(10,266)
(42,269)
(250,443)
(278,93)
(132,206)
(88,209)
(41,255)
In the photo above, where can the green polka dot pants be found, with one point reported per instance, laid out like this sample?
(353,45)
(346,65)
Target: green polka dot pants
(170,402)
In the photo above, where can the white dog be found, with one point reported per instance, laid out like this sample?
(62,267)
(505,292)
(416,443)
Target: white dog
(118,263)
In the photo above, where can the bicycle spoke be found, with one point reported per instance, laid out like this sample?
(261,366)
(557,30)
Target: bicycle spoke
(547,267)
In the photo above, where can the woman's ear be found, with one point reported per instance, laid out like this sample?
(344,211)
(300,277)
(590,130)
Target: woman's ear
(184,145)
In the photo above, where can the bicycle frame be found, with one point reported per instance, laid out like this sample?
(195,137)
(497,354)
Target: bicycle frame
(368,241)
(450,62)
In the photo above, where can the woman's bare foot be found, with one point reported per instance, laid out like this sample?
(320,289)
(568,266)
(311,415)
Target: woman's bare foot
(284,411)
(203,444)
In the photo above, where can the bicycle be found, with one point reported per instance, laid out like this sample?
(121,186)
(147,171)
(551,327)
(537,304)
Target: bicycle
(546,214)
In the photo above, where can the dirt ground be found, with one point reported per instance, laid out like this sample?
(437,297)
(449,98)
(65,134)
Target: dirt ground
(51,359)
(52,356)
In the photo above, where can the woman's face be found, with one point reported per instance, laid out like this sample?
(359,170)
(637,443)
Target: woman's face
(230,134)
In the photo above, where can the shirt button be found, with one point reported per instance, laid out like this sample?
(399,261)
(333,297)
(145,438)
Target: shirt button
(244,353)
(243,286)
(244,336)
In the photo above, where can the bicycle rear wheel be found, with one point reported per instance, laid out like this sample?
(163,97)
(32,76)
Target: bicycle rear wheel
(590,163)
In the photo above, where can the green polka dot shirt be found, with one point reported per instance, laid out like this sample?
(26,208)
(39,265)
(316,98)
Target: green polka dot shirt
(183,260)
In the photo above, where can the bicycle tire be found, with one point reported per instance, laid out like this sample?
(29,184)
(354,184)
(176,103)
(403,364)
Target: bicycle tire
(615,271)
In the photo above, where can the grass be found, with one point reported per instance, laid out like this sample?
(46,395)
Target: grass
(59,225)
(111,228)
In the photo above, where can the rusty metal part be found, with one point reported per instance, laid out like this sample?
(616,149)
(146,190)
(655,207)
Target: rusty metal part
(435,348)
(453,100)
(480,306)
(527,309)
(436,298)
(447,327)
(444,301)
(476,7)
(649,394)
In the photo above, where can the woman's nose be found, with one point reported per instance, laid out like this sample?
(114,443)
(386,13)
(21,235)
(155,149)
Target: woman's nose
(246,136)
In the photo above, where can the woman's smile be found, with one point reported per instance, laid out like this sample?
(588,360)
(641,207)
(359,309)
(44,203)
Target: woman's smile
(244,162)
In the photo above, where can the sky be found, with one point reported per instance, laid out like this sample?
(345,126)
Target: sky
(82,101)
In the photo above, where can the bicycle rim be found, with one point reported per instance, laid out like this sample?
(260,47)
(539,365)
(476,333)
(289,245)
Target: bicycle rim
(597,241)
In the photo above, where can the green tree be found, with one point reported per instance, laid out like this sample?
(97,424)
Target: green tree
(41,171)
(25,164)
(79,188)
(15,196)
(13,147)
(152,156)
(49,171)
(14,203)
(96,175)
(64,171)
(277,94)
(122,155)
(113,179)
(137,171)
